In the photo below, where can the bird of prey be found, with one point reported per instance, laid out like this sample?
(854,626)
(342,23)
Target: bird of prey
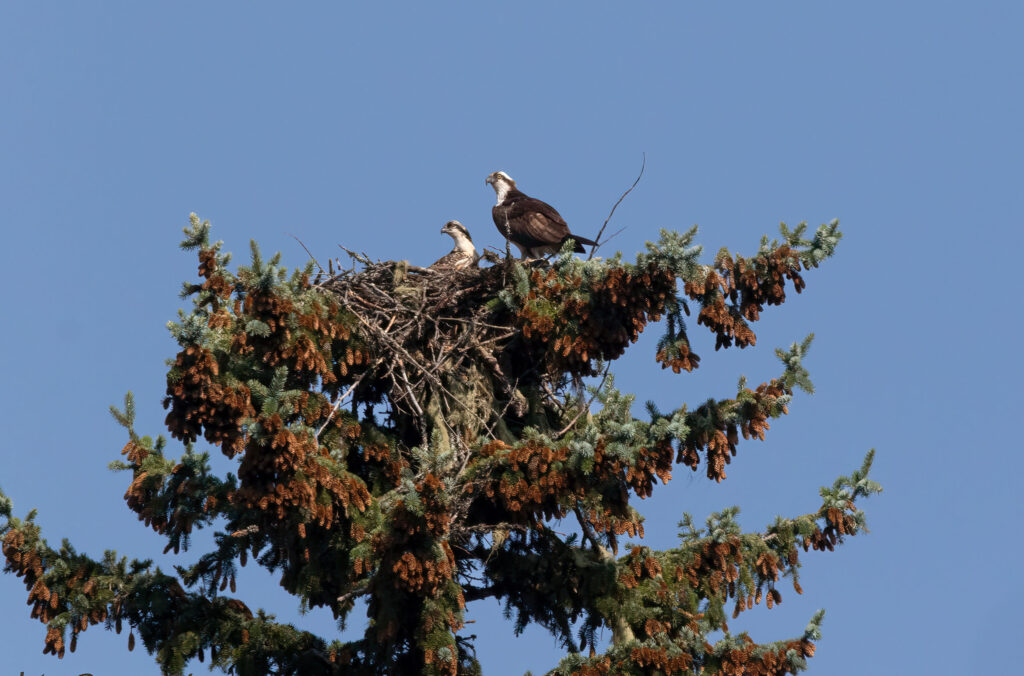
(464,254)
(533,226)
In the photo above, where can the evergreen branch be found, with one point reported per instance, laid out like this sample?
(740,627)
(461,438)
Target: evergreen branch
(675,600)
(73,591)
(795,374)
(197,235)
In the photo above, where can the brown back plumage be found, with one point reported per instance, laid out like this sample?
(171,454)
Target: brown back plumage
(534,226)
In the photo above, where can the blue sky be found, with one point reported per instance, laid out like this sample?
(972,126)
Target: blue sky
(371,126)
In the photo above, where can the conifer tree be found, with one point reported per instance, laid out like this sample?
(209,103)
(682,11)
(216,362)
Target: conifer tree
(421,439)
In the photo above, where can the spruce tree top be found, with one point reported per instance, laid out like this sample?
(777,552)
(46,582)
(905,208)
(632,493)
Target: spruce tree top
(414,437)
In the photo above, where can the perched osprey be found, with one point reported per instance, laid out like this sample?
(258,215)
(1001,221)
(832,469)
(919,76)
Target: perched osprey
(464,254)
(533,226)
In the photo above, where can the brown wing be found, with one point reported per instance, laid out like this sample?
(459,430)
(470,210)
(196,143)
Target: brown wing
(532,222)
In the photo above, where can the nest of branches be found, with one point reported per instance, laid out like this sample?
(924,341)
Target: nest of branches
(443,349)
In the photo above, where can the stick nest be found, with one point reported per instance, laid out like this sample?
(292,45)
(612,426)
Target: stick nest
(443,353)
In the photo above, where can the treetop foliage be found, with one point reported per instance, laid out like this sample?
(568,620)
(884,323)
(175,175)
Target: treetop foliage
(415,438)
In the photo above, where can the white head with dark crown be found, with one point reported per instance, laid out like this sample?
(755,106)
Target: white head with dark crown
(457,231)
(502,183)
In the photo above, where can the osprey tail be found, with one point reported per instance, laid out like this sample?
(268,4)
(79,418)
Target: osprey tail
(580,241)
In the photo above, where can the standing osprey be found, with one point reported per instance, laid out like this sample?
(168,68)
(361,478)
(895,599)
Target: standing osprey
(464,254)
(533,226)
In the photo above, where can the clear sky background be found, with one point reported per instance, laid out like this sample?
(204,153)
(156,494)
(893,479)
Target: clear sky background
(371,126)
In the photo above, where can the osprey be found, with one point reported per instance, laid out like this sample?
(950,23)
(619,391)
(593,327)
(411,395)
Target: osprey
(464,254)
(533,226)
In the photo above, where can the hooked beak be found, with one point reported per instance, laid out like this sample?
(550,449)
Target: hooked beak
(489,181)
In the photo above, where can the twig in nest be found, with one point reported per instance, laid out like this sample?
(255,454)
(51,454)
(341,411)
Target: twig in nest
(597,239)
(361,257)
(491,257)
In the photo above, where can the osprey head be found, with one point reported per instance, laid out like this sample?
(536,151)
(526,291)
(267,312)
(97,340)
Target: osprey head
(500,178)
(456,229)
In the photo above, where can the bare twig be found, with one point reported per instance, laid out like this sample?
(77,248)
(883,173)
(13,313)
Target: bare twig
(311,256)
(614,235)
(248,530)
(350,595)
(552,397)
(344,395)
(508,237)
(597,239)
(588,532)
(586,408)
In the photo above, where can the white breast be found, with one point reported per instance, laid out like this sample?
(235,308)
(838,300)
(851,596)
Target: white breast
(501,189)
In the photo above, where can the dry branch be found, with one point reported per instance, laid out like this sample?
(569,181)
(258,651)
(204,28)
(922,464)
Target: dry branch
(593,250)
